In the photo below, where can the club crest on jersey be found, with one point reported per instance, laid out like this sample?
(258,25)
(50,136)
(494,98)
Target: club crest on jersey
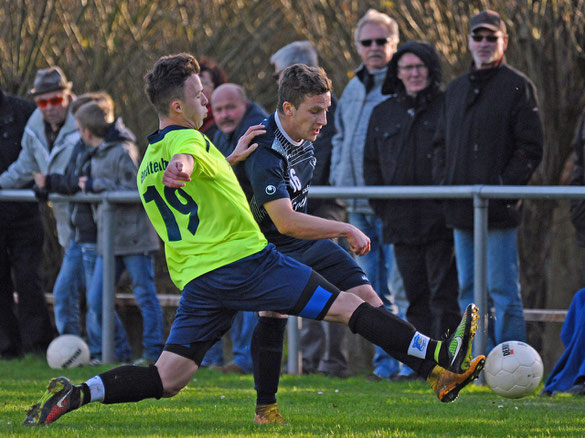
(270,189)
(418,342)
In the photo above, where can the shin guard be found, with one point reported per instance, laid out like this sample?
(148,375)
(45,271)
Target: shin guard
(130,383)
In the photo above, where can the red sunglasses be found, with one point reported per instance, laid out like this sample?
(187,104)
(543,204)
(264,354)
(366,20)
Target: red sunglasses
(54,101)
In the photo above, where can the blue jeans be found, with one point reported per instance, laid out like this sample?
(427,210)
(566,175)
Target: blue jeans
(241,332)
(380,267)
(141,270)
(502,282)
(67,291)
(88,256)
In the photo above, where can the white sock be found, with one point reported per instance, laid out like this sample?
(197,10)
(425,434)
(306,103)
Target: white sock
(96,388)
(418,345)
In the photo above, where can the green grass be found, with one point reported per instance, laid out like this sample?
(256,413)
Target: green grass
(214,404)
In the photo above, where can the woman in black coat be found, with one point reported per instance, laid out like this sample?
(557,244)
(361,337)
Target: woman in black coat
(399,152)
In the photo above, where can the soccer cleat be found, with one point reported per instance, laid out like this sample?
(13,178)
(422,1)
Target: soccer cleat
(447,384)
(269,414)
(60,397)
(459,343)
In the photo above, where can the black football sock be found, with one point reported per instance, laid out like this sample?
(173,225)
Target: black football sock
(130,383)
(422,367)
(392,333)
(266,349)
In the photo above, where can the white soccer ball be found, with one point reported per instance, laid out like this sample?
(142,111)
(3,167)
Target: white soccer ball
(513,369)
(67,351)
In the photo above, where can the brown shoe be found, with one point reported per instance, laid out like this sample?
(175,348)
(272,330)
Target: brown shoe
(269,414)
(447,384)
(232,368)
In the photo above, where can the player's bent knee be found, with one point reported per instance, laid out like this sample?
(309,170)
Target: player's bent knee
(343,307)
(367,293)
(173,383)
(175,372)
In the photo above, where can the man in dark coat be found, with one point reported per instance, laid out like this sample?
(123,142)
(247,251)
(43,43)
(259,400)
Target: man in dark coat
(21,249)
(398,151)
(490,133)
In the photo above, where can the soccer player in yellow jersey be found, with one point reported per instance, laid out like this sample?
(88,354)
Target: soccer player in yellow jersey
(219,258)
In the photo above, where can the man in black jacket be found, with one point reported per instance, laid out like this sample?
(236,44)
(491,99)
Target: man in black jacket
(21,249)
(398,151)
(490,133)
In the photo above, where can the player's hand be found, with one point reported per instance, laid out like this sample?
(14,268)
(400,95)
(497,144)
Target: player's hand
(243,149)
(174,175)
(40,179)
(359,243)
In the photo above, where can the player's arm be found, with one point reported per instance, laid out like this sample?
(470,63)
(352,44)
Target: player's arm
(243,149)
(178,171)
(305,226)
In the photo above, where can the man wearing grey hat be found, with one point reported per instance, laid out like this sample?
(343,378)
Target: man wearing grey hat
(490,133)
(48,139)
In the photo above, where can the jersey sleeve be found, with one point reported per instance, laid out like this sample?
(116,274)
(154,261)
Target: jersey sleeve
(265,172)
(194,143)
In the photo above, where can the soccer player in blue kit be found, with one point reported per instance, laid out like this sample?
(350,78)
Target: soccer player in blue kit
(219,258)
(276,180)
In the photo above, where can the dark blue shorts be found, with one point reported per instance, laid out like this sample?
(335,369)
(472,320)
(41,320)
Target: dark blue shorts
(267,280)
(331,261)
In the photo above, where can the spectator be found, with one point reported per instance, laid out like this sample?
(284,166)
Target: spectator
(24,327)
(47,143)
(398,152)
(84,228)
(490,133)
(234,114)
(114,165)
(321,343)
(578,179)
(212,76)
(376,38)
(568,374)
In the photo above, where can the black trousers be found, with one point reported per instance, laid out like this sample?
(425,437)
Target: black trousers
(25,327)
(429,274)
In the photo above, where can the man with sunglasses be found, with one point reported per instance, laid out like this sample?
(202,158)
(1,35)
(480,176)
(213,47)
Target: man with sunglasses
(376,39)
(48,140)
(490,133)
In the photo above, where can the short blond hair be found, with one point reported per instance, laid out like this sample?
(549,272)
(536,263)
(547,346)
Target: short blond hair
(372,16)
(103,99)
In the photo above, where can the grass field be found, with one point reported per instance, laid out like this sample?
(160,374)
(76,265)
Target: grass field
(222,405)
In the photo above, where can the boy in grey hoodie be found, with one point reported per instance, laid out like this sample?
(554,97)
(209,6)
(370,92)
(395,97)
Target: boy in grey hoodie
(114,166)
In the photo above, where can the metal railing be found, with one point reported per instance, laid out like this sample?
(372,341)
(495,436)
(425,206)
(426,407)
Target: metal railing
(480,195)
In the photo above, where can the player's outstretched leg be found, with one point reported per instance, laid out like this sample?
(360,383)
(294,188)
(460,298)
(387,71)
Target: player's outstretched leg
(60,397)
(460,342)
(447,384)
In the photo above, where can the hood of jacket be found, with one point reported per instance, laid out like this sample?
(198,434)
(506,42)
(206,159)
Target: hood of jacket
(427,54)
(118,132)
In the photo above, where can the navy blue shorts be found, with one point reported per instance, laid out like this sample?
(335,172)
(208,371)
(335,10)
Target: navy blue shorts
(331,261)
(267,280)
